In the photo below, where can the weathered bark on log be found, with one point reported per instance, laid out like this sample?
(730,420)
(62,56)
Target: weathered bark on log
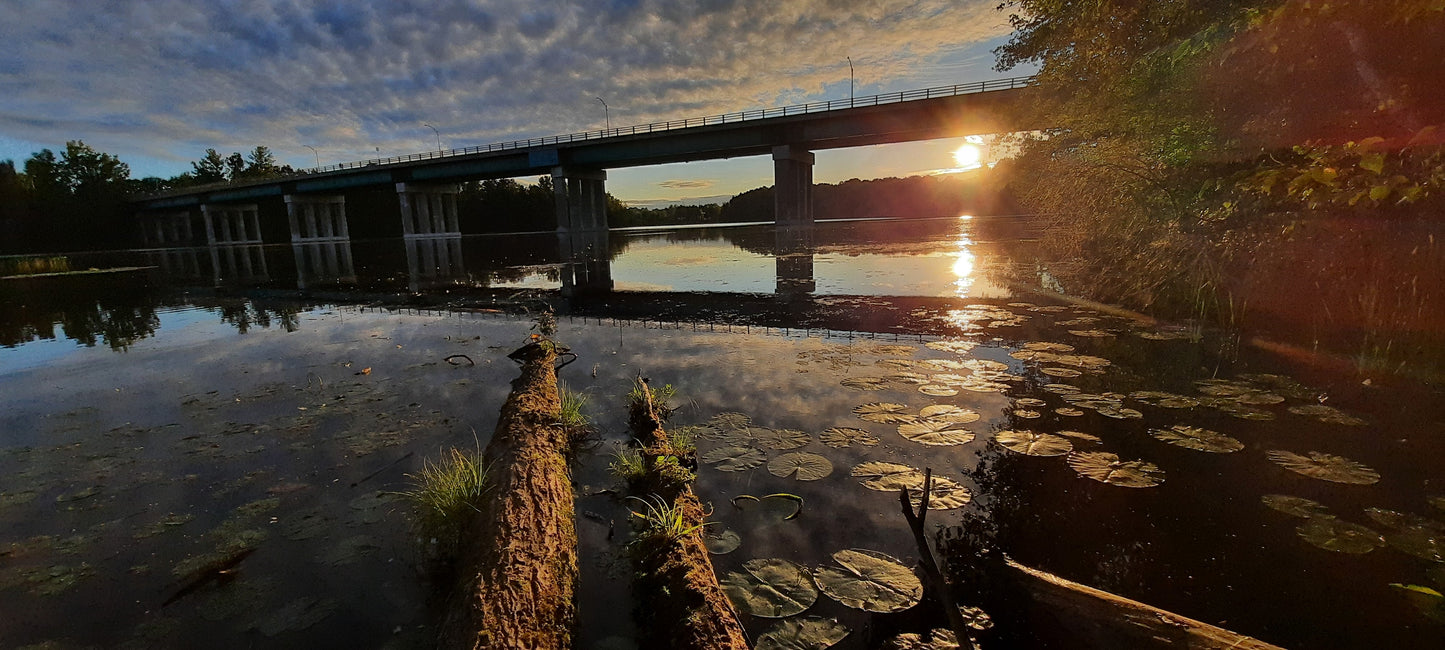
(519,558)
(676,584)
(1106,620)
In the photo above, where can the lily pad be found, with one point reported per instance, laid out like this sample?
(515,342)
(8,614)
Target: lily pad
(949,413)
(1326,467)
(938,390)
(1033,443)
(806,633)
(800,465)
(939,639)
(1055,371)
(935,432)
(1198,439)
(1068,411)
(733,459)
(941,365)
(770,588)
(957,347)
(1294,506)
(1105,467)
(1326,414)
(730,420)
(1081,436)
(865,383)
(883,412)
(1027,414)
(908,378)
(891,477)
(840,437)
(1333,534)
(783,439)
(1424,542)
(722,542)
(870,581)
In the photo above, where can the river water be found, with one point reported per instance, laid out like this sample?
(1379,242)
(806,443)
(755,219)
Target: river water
(275,398)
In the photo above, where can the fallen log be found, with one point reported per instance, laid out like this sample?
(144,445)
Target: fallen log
(1105,620)
(519,554)
(680,600)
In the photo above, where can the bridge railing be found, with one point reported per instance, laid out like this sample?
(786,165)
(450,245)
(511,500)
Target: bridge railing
(670,125)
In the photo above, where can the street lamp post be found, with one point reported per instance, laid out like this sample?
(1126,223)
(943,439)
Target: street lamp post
(606,113)
(438,134)
(850,81)
(313,152)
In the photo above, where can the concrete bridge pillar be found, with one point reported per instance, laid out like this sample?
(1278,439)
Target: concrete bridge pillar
(581,198)
(231,224)
(587,262)
(792,185)
(323,261)
(167,229)
(434,261)
(317,218)
(428,210)
(794,261)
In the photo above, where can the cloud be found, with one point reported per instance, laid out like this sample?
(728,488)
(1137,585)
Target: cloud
(168,78)
(686,184)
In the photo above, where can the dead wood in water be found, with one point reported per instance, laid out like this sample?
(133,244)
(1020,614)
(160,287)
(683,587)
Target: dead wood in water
(934,577)
(685,607)
(519,555)
(1105,620)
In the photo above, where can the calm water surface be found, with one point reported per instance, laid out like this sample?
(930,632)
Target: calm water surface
(273,398)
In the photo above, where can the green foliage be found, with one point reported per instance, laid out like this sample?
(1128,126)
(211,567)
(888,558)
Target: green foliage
(683,440)
(570,415)
(660,398)
(628,465)
(1364,173)
(446,493)
(661,519)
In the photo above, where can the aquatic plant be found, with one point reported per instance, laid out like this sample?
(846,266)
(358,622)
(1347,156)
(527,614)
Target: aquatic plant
(660,398)
(801,465)
(445,494)
(803,632)
(870,581)
(570,415)
(661,518)
(628,465)
(770,588)
(1105,467)
(1326,467)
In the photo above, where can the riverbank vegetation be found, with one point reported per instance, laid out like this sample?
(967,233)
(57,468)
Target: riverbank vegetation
(1197,143)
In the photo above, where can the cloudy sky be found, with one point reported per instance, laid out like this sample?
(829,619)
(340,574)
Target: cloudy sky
(157,82)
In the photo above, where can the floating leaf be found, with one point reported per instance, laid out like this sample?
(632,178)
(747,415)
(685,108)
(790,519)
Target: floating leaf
(883,412)
(870,581)
(733,459)
(887,477)
(1198,439)
(938,390)
(1032,443)
(1027,414)
(949,413)
(770,588)
(910,378)
(730,420)
(1333,534)
(1080,435)
(940,365)
(984,365)
(838,437)
(1107,468)
(806,633)
(783,439)
(1396,519)
(957,347)
(935,432)
(1054,371)
(1048,346)
(800,465)
(898,364)
(1068,412)
(945,494)
(1092,334)
(1326,414)
(1295,506)
(1119,413)
(865,383)
(1424,542)
(721,543)
(1429,601)
(1168,335)
(896,350)
(1029,401)
(1326,467)
(939,639)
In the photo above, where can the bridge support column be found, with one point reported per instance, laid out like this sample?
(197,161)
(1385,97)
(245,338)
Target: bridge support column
(317,218)
(588,265)
(428,210)
(231,224)
(167,229)
(581,199)
(792,185)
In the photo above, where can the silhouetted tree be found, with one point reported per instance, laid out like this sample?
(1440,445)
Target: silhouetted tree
(209,169)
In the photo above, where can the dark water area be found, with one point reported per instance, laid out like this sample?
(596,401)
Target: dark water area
(276,397)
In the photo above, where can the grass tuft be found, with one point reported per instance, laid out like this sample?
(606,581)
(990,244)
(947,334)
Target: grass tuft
(570,416)
(628,465)
(446,493)
(662,519)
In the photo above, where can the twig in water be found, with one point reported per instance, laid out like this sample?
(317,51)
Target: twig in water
(452,360)
(930,567)
(383,469)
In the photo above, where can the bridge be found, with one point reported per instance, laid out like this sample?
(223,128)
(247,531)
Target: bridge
(425,185)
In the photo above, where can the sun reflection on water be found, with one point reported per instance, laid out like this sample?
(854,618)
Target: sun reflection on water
(963,267)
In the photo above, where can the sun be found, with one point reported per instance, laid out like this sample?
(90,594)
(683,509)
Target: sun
(968,156)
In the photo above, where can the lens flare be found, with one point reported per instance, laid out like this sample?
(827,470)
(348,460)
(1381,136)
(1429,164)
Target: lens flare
(968,156)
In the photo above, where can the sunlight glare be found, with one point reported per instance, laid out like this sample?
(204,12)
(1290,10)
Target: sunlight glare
(968,156)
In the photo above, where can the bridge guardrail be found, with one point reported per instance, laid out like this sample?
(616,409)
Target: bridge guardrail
(669,125)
